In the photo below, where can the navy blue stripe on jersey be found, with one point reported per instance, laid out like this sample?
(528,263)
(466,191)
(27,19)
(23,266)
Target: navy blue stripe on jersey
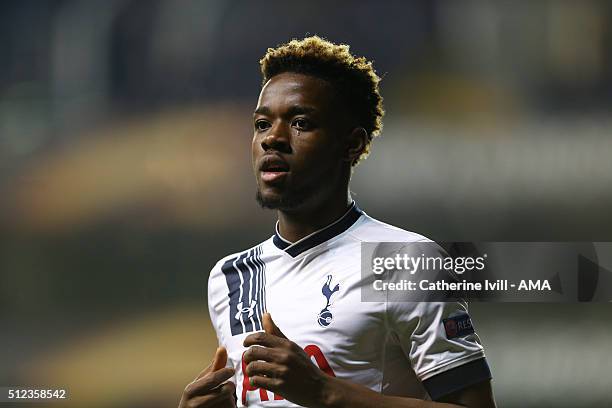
(325,234)
(253,294)
(234,285)
(245,309)
(244,275)
(457,378)
(262,293)
(260,282)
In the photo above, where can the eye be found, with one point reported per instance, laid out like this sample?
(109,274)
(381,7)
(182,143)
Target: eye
(301,124)
(261,125)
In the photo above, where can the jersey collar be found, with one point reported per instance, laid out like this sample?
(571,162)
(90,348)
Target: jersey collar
(318,237)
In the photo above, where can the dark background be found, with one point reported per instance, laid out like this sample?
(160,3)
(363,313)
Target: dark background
(125,130)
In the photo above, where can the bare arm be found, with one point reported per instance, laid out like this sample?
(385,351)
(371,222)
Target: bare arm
(340,393)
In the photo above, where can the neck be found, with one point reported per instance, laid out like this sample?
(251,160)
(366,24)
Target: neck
(295,225)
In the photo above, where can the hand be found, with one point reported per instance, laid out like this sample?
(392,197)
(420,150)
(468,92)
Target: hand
(208,389)
(282,367)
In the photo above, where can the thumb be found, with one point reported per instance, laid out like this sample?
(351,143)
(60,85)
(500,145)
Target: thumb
(218,362)
(270,327)
(220,359)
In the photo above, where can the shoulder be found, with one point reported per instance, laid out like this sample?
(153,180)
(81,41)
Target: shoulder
(369,229)
(386,240)
(229,263)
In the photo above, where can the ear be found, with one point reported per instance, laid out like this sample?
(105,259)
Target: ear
(356,143)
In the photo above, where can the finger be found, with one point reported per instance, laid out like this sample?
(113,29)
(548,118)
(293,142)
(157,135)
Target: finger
(270,327)
(267,383)
(263,368)
(224,396)
(210,381)
(229,387)
(264,339)
(257,353)
(219,361)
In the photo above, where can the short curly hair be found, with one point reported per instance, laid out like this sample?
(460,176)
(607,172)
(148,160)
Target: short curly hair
(353,77)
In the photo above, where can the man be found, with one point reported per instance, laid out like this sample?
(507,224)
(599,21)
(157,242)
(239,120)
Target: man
(317,113)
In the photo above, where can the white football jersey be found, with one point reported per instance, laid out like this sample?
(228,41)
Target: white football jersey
(312,290)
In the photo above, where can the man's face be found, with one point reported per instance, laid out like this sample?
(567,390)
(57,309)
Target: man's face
(298,142)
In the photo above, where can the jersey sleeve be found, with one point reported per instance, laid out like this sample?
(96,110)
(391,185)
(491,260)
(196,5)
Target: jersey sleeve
(441,344)
(440,341)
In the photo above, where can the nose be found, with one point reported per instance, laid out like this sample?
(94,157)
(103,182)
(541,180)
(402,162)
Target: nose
(277,138)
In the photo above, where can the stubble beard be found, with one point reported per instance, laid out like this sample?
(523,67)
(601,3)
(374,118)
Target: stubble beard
(289,200)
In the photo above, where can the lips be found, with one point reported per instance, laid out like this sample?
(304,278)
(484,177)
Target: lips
(273,169)
(273,163)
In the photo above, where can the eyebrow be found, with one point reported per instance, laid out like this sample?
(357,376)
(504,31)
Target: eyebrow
(292,111)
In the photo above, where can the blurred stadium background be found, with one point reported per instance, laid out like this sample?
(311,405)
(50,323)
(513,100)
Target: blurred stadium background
(125,173)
